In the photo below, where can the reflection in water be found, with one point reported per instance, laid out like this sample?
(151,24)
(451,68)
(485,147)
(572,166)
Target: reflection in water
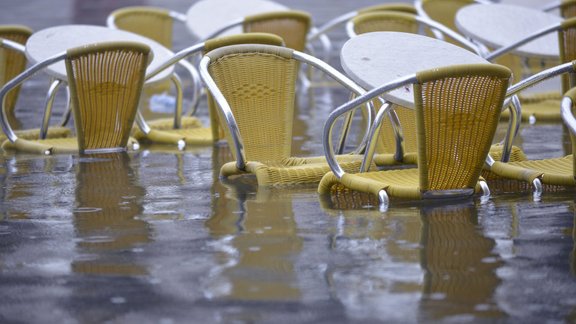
(460,267)
(256,240)
(573,257)
(375,273)
(108,201)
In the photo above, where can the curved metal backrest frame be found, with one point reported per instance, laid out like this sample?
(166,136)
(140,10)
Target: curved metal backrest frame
(226,110)
(567,111)
(26,74)
(343,109)
(138,21)
(31,71)
(333,23)
(421,21)
(419,5)
(203,47)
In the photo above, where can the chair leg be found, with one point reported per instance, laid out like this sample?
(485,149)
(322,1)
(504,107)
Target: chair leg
(485,188)
(537,195)
(383,198)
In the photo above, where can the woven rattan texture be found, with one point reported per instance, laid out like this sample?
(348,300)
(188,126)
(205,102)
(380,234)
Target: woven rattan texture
(105,87)
(292,26)
(153,23)
(260,89)
(385,21)
(12,62)
(457,120)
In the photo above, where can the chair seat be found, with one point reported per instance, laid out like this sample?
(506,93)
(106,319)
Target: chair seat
(402,183)
(31,134)
(192,131)
(291,171)
(65,145)
(552,172)
(545,108)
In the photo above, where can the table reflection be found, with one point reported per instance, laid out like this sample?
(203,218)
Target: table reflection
(108,201)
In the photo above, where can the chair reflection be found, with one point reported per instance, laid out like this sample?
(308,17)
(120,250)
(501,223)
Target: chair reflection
(257,239)
(458,262)
(105,218)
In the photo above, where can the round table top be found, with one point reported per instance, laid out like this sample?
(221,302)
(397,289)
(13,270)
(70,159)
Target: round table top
(207,16)
(499,25)
(373,59)
(54,40)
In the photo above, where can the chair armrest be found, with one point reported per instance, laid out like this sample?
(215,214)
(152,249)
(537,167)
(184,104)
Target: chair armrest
(366,97)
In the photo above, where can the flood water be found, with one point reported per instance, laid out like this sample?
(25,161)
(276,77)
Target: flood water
(154,236)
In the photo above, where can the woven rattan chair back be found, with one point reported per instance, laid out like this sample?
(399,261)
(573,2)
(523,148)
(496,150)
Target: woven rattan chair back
(154,23)
(444,11)
(292,26)
(399,22)
(214,43)
(12,62)
(385,21)
(567,46)
(105,84)
(260,89)
(457,111)
(398,7)
(568,9)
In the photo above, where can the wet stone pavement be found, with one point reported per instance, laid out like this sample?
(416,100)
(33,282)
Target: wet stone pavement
(155,237)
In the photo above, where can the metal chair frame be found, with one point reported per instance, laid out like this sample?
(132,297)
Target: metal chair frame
(227,111)
(189,67)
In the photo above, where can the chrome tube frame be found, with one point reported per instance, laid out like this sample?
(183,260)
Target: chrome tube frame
(322,30)
(372,138)
(340,78)
(554,4)
(566,113)
(54,87)
(179,98)
(541,76)
(226,112)
(328,125)
(176,58)
(234,23)
(6,43)
(436,27)
(15,82)
(505,49)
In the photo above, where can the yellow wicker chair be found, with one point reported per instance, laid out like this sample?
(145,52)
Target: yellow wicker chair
(321,32)
(105,81)
(13,62)
(567,8)
(457,112)
(254,86)
(291,25)
(192,132)
(158,24)
(387,142)
(547,174)
(545,108)
(342,19)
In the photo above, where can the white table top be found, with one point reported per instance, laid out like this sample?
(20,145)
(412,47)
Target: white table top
(373,59)
(499,25)
(54,40)
(207,16)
